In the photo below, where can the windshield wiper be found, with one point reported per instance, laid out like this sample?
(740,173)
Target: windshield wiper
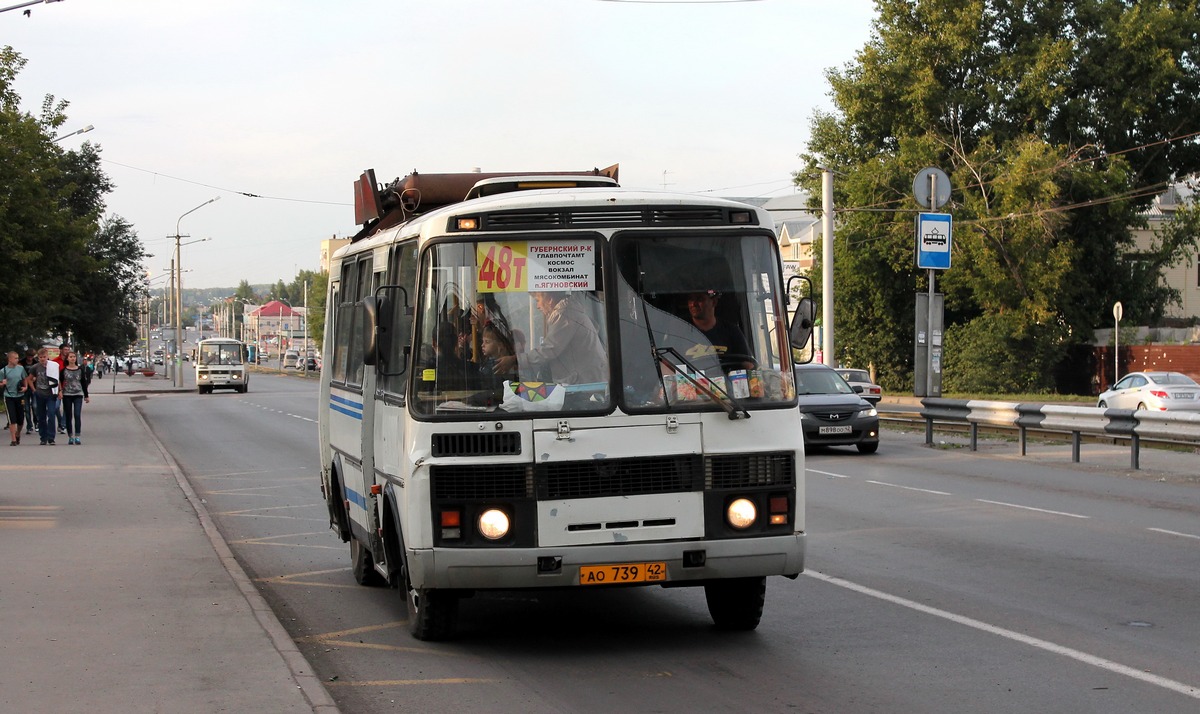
(732,407)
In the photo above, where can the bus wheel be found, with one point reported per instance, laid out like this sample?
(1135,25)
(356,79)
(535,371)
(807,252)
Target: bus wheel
(363,564)
(736,604)
(432,614)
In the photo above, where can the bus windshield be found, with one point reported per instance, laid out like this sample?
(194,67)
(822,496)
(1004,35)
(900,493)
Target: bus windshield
(513,326)
(523,326)
(217,354)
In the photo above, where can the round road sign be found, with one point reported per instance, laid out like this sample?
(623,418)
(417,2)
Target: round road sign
(921,188)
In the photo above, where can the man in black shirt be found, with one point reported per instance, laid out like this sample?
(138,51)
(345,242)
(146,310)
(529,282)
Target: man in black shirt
(725,340)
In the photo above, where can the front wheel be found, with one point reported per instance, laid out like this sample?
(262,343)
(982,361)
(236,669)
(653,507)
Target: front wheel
(868,448)
(736,604)
(1102,405)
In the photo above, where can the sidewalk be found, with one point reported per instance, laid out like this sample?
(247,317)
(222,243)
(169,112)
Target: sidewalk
(117,592)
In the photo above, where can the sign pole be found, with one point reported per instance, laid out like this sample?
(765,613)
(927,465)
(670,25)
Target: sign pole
(929,322)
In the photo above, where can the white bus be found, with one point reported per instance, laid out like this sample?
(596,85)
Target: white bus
(221,364)
(659,456)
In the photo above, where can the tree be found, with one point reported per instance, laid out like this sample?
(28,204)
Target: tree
(1058,123)
(67,270)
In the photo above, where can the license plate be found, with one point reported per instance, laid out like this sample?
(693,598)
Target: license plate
(1182,395)
(622,573)
(834,429)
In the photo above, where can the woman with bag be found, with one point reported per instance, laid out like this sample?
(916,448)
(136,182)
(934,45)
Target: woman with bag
(74,382)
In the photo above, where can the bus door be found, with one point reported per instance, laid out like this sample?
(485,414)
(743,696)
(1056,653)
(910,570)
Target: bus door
(351,398)
(392,367)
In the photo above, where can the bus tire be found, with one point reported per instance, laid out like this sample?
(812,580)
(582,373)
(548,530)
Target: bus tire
(363,565)
(737,603)
(432,614)
(339,520)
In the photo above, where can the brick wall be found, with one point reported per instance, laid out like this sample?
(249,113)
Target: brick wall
(1144,358)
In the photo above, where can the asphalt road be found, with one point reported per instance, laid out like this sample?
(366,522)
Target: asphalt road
(939,581)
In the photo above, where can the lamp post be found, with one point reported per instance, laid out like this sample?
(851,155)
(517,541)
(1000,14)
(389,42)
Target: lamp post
(178,379)
(84,130)
(18,6)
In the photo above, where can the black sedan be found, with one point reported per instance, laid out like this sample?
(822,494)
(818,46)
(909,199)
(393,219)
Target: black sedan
(832,414)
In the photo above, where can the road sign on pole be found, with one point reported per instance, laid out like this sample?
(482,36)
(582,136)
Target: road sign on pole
(934,238)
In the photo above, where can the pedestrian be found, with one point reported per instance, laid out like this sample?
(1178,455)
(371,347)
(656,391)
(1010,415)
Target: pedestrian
(61,359)
(45,394)
(29,362)
(75,380)
(13,378)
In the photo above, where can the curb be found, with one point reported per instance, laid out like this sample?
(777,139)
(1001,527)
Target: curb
(301,670)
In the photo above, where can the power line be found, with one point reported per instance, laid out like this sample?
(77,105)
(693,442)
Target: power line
(222,188)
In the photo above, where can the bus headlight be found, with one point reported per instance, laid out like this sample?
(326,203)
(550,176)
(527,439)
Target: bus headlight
(493,524)
(741,513)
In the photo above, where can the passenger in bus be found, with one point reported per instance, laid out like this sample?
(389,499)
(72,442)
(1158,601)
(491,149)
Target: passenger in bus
(449,365)
(725,339)
(569,353)
(494,344)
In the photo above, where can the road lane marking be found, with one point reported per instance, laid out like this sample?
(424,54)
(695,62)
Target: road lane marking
(337,638)
(827,473)
(409,682)
(1031,508)
(1045,645)
(911,488)
(1174,533)
(28,517)
(264,540)
(253,511)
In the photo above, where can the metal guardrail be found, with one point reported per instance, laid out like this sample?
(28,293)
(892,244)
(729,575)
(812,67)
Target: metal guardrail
(1177,427)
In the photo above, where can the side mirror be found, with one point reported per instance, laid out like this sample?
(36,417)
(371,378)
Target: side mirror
(370,316)
(857,389)
(801,329)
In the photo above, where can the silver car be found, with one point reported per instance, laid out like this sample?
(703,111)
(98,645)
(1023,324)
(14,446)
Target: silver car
(860,381)
(1156,391)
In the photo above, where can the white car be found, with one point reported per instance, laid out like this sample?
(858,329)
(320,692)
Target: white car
(860,381)
(1156,391)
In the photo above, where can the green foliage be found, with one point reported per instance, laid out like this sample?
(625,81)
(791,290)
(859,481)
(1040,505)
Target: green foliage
(66,268)
(1057,123)
(1000,354)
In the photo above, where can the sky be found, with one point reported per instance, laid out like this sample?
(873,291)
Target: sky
(290,100)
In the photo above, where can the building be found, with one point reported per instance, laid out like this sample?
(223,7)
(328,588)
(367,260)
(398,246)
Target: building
(274,327)
(328,248)
(1184,277)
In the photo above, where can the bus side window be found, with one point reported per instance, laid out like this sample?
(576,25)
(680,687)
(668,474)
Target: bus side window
(402,271)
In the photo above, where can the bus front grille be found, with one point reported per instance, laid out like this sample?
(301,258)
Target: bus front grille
(745,470)
(618,477)
(503,444)
(598,478)
(465,483)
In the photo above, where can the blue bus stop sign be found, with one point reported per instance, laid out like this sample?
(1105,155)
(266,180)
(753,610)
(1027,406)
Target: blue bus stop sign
(933,241)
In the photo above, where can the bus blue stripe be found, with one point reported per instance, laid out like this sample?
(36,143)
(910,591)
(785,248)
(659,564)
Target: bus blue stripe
(347,412)
(356,498)
(347,402)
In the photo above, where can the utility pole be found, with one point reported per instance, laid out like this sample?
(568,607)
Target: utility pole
(827,265)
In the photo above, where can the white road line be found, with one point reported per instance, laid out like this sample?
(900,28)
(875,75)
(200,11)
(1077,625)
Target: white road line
(910,488)
(827,473)
(1031,508)
(1174,533)
(1100,662)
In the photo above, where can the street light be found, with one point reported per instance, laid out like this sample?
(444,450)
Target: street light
(26,4)
(177,380)
(84,130)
